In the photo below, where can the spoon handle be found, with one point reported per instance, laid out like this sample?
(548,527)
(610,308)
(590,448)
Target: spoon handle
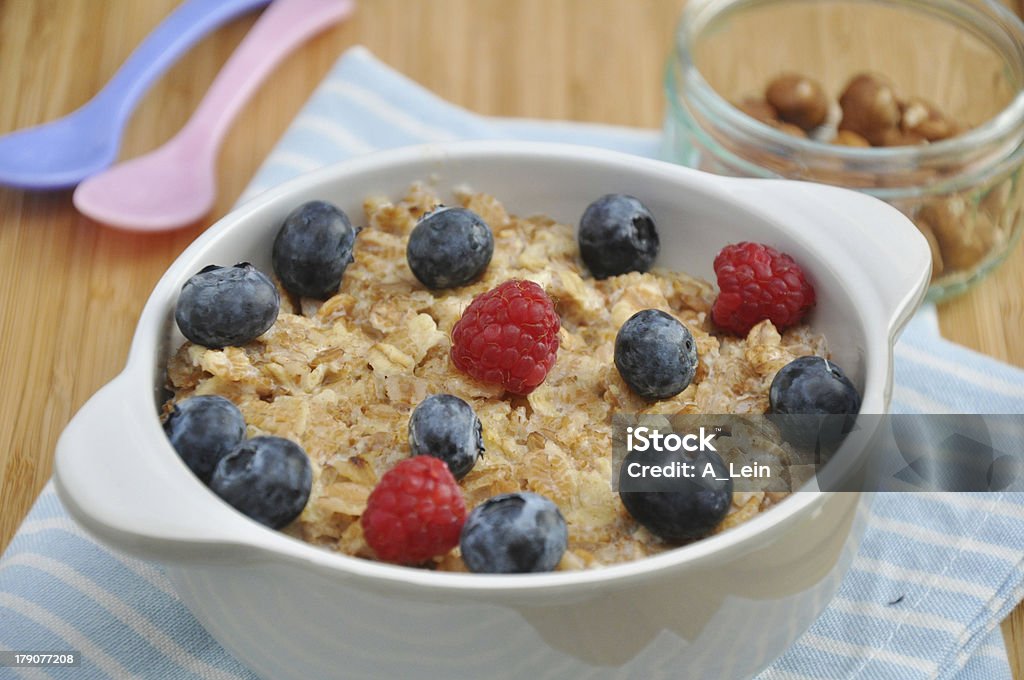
(284,25)
(175,36)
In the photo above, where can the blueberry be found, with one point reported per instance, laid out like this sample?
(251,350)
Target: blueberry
(681,508)
(515,533)
(203,430)
(313,248)
(813,403)
(617,236)
(265,478)
(445,427)
(226,306)
(449,247)
(655,354)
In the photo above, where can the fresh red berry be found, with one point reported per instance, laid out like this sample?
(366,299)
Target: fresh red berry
(508,335)
(415,512)
(757,282)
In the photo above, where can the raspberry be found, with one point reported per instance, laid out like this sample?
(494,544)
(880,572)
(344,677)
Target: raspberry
(508,335)
(757,282)
(415,512)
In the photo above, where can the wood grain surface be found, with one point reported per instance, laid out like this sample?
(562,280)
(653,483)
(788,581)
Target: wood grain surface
(71,290)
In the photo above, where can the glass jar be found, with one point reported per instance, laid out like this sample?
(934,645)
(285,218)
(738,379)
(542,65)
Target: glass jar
(964,56)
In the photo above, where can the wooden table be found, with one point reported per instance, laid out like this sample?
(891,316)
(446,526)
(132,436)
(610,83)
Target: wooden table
(71,291)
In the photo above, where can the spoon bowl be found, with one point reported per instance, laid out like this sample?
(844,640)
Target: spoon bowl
(60,153)
(167,186)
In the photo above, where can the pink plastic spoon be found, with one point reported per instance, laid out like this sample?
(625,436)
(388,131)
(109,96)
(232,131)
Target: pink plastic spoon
(175,185)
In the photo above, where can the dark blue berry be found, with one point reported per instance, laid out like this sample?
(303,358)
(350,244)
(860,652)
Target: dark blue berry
(681,508)
(515,533)
(312,249)
(616,236)
(203,430)
(655,354)
(265,478)
(445,427)
(813,403)
(226,306)
(449,247)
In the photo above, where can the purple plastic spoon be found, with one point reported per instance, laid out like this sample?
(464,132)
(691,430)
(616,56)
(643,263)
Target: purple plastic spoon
(62,153)
(175,185)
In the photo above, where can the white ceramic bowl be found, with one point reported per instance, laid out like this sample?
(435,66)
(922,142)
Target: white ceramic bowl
(722,607)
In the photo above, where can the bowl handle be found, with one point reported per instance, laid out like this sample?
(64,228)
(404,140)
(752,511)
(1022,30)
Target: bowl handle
(892,255)
(115,483)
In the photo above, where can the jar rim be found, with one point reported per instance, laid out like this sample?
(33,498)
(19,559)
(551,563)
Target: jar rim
(1005,126)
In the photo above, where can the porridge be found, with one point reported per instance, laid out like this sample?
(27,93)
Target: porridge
(341,377)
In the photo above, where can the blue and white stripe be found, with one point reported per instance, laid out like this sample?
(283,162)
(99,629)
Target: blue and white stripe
(934,576)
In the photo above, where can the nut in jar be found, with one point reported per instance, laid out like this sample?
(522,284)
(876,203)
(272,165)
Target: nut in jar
(963,231)
(920,105)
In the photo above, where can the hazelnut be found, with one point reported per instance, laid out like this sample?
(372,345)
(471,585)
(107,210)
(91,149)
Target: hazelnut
(965,236)
(921,118)
(849,138)
(870,107)
(996,200)
(798,99)
(758,109)
(910,177)
(840,176)
(897,137)
(790,129)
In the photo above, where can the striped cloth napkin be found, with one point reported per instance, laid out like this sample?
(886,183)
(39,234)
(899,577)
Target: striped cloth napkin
(935,575)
